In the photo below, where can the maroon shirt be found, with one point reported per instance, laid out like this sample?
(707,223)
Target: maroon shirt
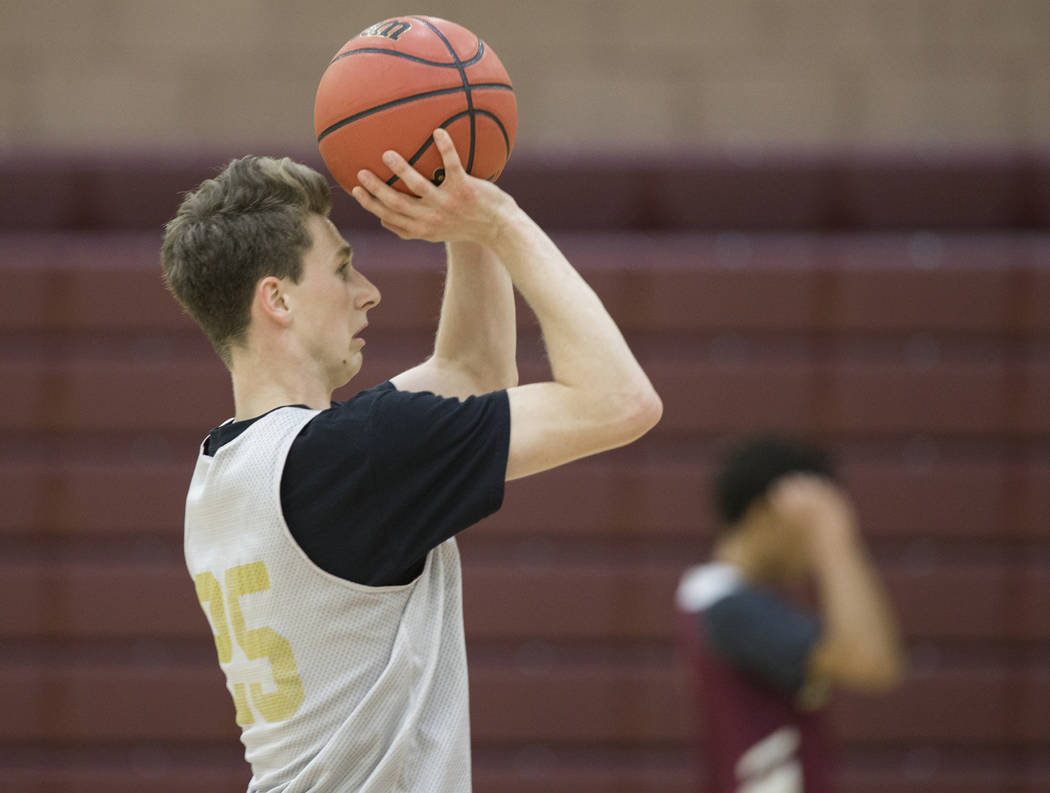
(746,651)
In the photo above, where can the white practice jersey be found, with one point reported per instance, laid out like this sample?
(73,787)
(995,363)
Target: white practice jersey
(337,687)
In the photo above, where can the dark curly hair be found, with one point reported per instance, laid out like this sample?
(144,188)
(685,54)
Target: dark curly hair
(751,466)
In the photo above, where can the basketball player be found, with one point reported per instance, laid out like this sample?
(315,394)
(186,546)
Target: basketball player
(320,535)
(761,666)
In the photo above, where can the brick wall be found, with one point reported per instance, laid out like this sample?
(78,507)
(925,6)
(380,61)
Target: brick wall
(93,74)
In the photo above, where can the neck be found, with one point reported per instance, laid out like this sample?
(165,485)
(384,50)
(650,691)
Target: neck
(262,382)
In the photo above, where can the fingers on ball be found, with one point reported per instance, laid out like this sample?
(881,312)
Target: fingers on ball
(379,191)
(413,179)
(447,148)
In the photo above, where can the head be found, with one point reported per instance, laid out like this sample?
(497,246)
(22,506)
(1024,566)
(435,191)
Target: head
(747,473)
(243,243)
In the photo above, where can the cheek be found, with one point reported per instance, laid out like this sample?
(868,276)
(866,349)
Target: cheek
(336,300)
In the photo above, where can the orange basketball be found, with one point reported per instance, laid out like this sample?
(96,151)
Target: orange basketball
(393,84)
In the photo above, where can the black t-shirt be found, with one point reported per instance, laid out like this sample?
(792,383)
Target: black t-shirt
(371,485)
(763,634)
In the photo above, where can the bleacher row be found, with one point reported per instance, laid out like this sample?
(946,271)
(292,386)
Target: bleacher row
(896,308)
(644,501)
(853,190)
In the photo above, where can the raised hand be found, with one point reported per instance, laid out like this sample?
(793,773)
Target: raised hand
(462,208)
(811,504)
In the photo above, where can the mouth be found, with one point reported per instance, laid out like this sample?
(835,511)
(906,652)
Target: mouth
(357,336)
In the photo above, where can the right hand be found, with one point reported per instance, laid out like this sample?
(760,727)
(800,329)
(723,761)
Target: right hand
(462,209)
(811,504)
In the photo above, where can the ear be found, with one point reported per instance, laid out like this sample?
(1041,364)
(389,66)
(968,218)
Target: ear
(271,301)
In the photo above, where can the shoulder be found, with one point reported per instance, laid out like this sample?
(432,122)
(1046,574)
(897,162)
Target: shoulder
(763,632)
(422,417)
(389,397)
(361,402)
(334,430)
(356,409)
(747,606)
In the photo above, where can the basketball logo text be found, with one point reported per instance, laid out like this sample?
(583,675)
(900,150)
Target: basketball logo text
(392,29)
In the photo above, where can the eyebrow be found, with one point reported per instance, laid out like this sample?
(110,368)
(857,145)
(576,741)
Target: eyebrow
(344,252)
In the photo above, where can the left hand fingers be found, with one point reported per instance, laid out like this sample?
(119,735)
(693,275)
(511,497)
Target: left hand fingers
(449,156)
(413,179)
(416,222)
(375,203)
(387,195)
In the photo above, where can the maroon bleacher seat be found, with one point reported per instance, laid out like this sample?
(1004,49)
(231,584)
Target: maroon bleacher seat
(758,190)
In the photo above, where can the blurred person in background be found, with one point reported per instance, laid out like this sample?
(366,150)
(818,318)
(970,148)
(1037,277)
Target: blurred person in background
(762,666)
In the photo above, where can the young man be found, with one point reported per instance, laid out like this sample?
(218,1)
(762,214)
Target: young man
(319,534)
(761,666)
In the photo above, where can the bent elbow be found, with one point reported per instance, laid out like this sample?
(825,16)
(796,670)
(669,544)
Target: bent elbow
(650,409)
(878,675)
(859,667)
(642,411)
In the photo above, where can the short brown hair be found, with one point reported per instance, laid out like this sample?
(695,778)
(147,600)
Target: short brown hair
(246,223)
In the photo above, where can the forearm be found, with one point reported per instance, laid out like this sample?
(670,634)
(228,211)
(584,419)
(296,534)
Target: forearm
(861,642)
(586,350)
(477,330)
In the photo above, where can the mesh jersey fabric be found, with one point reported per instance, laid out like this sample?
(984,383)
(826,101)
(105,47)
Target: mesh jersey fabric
(339,687)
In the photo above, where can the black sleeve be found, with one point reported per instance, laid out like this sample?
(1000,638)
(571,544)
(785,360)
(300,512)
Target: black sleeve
(373,484)
(763,635)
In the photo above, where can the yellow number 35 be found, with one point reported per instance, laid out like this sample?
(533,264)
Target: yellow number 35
(258,643)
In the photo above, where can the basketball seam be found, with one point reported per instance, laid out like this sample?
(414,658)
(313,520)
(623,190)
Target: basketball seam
(394,54)
(466,83)
(405,100)
(423,149)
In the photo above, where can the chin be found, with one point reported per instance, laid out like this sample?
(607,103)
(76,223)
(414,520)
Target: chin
(353,366)
(345,372)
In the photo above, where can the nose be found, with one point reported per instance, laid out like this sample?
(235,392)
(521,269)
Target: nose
(368,296)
